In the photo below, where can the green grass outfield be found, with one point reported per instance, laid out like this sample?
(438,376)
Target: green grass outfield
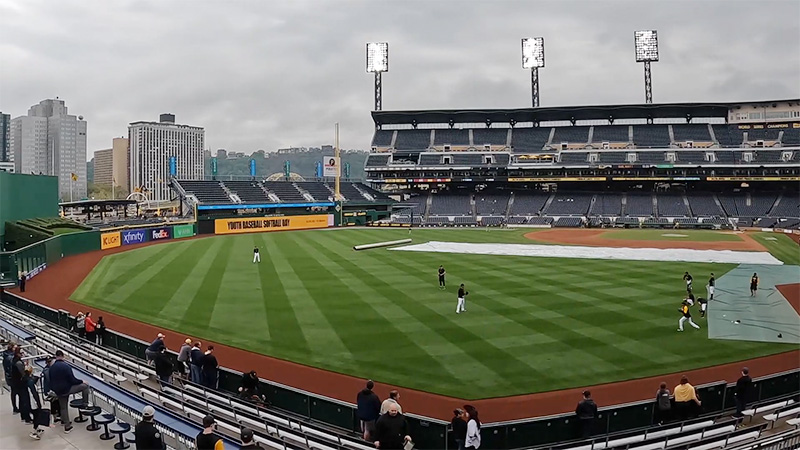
(670,235)
(532,324)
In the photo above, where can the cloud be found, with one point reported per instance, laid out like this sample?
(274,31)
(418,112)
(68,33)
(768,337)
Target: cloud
(265,75)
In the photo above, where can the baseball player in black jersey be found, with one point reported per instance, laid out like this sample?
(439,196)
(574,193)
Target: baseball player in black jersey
(710,288)
(462,294)
(256,255)
(703,305)
(688,279)
(442,272)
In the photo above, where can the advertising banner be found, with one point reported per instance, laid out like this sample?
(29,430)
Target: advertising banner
(182,231)
(173,166)
(252,167)
(110,240)
(331,166)
(133,237)
(157,234)
(259,224)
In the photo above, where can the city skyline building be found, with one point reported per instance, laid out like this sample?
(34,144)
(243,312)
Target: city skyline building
(153,144)
(5,137)
(50,141)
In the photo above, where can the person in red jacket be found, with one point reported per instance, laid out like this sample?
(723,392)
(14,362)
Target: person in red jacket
(91,326)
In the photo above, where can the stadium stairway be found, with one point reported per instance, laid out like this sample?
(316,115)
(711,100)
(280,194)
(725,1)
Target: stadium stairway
(272,428)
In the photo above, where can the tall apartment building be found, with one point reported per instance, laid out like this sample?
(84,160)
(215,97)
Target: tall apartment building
(50,141)
(151,146)
(111,166)
(5,137)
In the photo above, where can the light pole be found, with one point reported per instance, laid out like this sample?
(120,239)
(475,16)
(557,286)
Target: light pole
(377,63)
(533,58)
(646,44)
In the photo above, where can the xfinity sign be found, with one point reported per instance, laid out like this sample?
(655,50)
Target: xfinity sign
(133,237)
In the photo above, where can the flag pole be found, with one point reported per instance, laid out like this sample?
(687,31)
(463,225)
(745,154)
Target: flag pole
(337,193)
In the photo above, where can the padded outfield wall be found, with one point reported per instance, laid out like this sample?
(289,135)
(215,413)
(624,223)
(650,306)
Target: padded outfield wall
(26,197)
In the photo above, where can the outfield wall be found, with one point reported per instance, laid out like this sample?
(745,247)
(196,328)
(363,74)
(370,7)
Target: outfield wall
(25,197)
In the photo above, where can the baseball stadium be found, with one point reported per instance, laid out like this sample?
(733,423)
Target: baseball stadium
(510,259)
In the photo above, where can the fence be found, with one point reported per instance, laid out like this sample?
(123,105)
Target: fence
(36,257)
(431,433)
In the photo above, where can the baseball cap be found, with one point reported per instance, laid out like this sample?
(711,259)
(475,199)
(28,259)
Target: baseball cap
(160,335)
(208,421)
(148,411)
(247,435)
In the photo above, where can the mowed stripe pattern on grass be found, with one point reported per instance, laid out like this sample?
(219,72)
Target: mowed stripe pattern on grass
(532,324)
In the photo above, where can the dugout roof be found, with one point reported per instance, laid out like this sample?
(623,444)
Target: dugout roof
(562,113)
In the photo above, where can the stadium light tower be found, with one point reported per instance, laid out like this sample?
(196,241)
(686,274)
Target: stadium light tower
(646,43)
(533,58)
(377,63)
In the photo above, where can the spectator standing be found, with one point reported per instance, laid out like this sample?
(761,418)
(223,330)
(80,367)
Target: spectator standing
(147,435)
(155,347)
(473,428)
(210,366)
(369,409)
(586,412)
(207,439)
(247,440)
(744,387)
(63,383)
(685,396)
(23,279)
(663,404)
(163,366)
(55,408)
(80,324)
(183,356)
(459,427)
(90,326)
(391,429)
(8,364)
(394,398)
(37,413)
(196,358)
(101,330)
(19,386)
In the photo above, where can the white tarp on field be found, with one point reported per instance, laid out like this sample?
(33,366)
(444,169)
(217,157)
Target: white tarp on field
(568,251)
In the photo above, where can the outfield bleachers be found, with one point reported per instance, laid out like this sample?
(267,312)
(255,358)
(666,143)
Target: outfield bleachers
(248,191)
(206,191)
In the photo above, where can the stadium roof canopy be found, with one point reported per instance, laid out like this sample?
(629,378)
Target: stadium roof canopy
(563,113)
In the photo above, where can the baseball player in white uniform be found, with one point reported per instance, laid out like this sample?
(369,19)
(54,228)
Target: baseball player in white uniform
(462,293)
(256,255)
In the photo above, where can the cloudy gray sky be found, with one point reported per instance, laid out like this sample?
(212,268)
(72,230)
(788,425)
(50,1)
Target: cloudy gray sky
(271,74)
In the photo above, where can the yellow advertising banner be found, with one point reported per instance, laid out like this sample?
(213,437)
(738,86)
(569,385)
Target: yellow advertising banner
(110,240)
(259,224)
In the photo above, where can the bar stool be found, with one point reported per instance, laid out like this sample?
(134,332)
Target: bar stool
(78,404)
(120,428)
(105,420)
(91,411)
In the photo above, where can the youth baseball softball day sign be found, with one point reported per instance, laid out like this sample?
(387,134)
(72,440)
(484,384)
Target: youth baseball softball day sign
(260,224)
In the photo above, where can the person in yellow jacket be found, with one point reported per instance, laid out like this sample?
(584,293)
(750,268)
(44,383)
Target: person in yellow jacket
(684,396)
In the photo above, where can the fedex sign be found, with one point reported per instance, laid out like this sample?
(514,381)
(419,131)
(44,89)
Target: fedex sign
(134,237)
(160,233)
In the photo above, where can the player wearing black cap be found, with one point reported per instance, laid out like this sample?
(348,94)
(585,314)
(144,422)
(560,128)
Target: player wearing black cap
(462,293)
(442,272)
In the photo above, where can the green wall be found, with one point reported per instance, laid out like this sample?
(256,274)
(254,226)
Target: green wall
(25,197)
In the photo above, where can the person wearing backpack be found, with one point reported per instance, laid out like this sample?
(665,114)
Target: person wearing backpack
(663,405)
